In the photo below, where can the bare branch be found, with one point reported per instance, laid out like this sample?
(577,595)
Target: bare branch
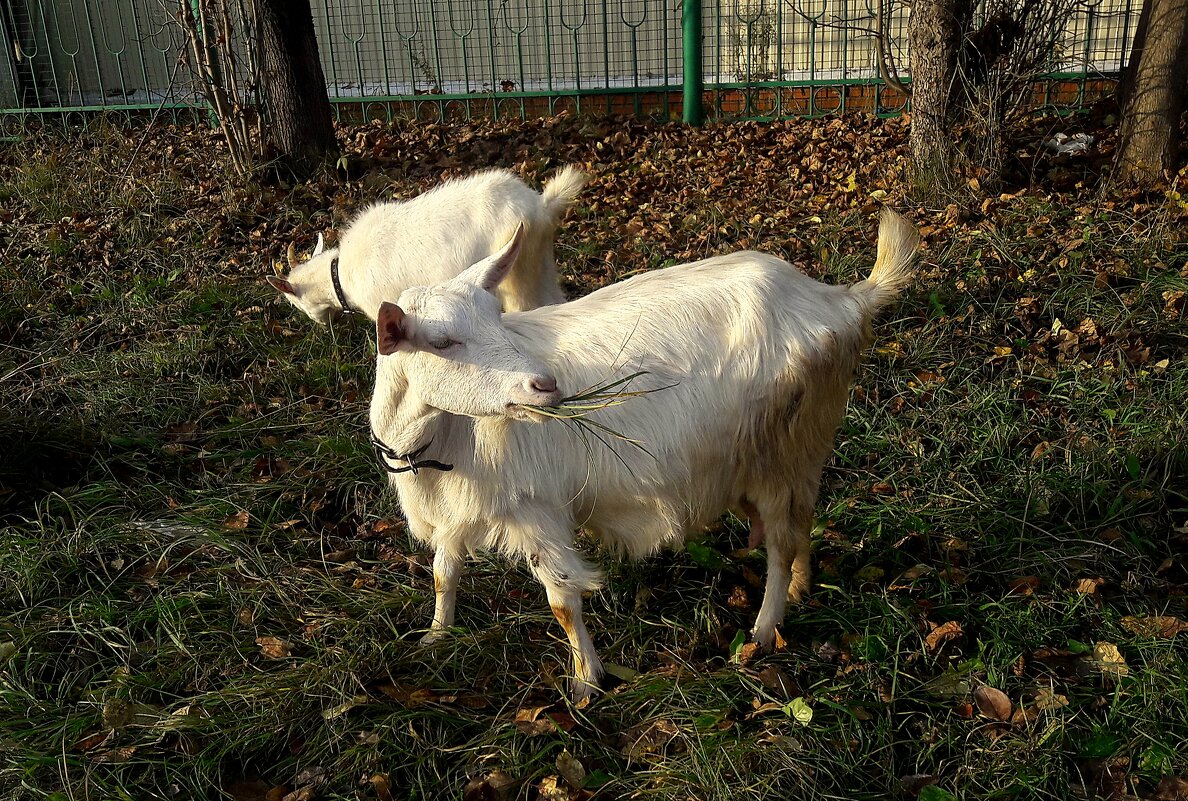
(889,77)
(212,39)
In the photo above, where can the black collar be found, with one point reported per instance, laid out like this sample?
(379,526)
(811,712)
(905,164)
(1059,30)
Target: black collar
(342,301)
(415,464)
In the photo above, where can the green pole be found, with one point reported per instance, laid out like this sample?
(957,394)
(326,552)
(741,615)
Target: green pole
(694,81)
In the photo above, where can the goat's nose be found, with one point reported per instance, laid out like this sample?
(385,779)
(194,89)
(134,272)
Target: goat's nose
(542,383)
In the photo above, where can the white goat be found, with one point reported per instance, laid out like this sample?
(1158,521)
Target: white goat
(433,237)
(757,358)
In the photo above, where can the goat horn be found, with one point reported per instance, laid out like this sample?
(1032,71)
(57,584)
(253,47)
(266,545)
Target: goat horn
(291,255)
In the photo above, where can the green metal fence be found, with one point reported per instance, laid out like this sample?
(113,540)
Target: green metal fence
(446,59)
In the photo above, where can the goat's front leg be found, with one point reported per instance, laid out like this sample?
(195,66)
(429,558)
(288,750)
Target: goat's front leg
(564,575)
(587,667)
(447,567)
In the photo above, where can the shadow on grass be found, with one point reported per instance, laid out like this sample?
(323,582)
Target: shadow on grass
(39,459)
(42,457)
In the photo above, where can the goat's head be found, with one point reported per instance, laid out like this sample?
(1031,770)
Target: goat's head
(457,355)
(308,285)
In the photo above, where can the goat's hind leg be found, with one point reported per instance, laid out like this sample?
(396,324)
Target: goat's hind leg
(786,530)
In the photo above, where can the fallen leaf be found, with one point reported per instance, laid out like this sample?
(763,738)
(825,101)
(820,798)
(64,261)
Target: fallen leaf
(531,721)
(779,682)
(495,786)
(302,794)
(383,790)
(273,647)
(915,782)
(91,741)
(1047,700)
(551,789)
(762,709)
(237,521)
(1171,788)
(1108,778)
(153,568)
(115,755)
(397,692)
(1108,659)
(800,711)
(573,771)
(903,582)
(1039,450)
(993,703)
(1164,626)
(470,701)
(738,599)
(942,633)
(1025,715)
(420,697)
(1087,586)
(648,738)
(1024,585)
(950,684)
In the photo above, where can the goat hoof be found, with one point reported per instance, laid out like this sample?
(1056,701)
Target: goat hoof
(433,636)
(764,638)
(582,693)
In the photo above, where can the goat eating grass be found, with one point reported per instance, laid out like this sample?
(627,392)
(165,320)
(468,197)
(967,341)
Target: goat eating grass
(433,237)
(754,360)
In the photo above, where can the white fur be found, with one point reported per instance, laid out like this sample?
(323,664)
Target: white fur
(757,358)
(433,237)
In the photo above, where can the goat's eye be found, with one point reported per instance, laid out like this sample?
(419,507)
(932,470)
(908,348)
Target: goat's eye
(442,344)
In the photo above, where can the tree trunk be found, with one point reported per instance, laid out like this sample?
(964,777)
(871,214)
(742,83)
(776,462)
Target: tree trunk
(297,109)
(1150,135)
(936,31)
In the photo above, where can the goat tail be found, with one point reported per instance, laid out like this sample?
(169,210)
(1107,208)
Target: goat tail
(560,192)
(898,244)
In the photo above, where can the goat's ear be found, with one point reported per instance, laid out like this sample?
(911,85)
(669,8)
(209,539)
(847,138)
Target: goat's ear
(318,248)
(389,328)
(489,272)
(281,285)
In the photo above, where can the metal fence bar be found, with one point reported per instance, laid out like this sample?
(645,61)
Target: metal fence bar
(438,59)
(692,75)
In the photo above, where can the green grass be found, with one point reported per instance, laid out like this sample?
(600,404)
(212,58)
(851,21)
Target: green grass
(184,469)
